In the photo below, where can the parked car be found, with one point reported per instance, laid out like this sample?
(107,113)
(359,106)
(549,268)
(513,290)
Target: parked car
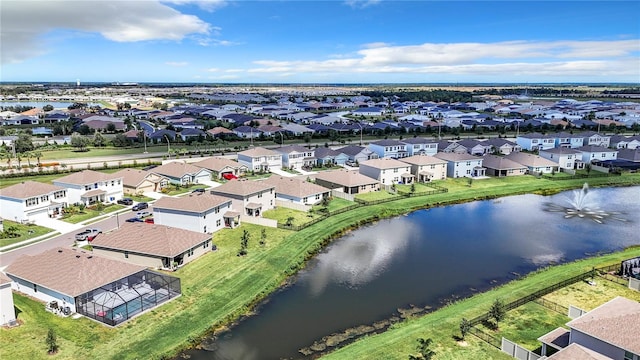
(88,234)
(142,214)
(125,201)
(140,206)
(133,219)
(229,176)
(197,191)
(149,220)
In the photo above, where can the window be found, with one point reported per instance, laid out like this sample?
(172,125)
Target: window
(627,354)
(218,222)
(87,187)
(259,195)
(35,288)
(468,163)
(126,254)
(468,171)
(217,209)
(395,170)
(32,201)
(113,183)
(44,198)
(95,186)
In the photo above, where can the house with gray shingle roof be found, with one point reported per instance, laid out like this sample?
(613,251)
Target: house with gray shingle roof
(297,191)
(182,173)
(389,148)
(500,166)
(462,165)
(219,166)
(347,181)
(296,156)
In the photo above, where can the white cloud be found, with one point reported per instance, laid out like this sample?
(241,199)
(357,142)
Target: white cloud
(24,23)
(361,4)
(176,63)
(617,58)
(208,5)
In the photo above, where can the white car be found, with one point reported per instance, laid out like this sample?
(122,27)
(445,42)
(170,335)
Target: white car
(142,214)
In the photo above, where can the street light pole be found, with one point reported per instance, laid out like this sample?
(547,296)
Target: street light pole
(168,145)
(144,136)
(360,125)
(281,138)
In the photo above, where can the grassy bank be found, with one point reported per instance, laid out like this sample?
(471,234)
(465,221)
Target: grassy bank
(220,286)
(443,325)
(15,232)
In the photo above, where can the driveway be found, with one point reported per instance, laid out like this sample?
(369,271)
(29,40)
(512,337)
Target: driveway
(58,225)
(154,195)
(281,172)
(209,183)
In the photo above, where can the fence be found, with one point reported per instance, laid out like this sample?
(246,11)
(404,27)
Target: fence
(438,190)
(342,195)
(634,284)
(517,351)
(593,174)
(488,338)
(259,221)
(552,305)
(317,220)
(292,205)
(575,312)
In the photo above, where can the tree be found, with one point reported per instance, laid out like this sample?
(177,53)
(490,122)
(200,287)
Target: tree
(79,142)
(111,127)
(413,188)
(469,181)
(47,107)
(99,140)
(465,327)
(263,237)
(23,143)
(289,221)
(244,243)
(423,350)
(497,311)
(84,129)
(37,155)
(52,342)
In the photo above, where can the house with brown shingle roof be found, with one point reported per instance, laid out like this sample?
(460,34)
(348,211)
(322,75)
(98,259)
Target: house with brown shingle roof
(7,311)
(89,187)
(296,190)
(387,171)
(153,245)
(426,168)
(260,159)
(98,287)
(350,182)
(535,164)
(219,166)
(249,197)
(30,200)
(500,166)
(610,330)
(195,212)
(182,173)
(136,182)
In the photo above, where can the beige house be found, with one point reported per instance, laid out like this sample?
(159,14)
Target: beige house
(500,166)
(182,173)
(535,164)
(152,245)
(248,197)
(136,182)
(426,168)
(387,170)
(296,190)
(260,159)
(350,182)
(221,166)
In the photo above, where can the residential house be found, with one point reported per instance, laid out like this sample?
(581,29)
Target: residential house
(182,173)
(632,155)
(7,310)
(31,200)
(260,159)
(610,331)
(426,168)
(535,164)
(161,135)
(568,140)
(219,132)
(369,111)
(624,142)
(296,190)
(447,146)
(195,212)
(566,158)
(152,245)
(296,156)
(358,154)
(250,198)
(475,147)
(137,182)
(89,187)
(420,146)
(502,146)
(462,165)
(327,156)
(389,148)
(535,141)
(98,287)
(591,138)
(500,166)
(221,166)
(347,181)
(387,171)
(597,153)
(189,133)
(246,132)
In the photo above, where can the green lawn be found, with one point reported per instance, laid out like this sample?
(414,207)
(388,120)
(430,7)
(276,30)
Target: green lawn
(220,287)
(335,204)
(87,213)
(376,195)
(25,232)
(282,213)
(419,187)
(179,190)
(140,198)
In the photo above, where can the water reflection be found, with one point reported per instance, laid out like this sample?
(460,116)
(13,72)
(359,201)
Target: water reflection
(361,259)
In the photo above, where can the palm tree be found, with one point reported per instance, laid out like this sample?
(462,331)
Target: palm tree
(37,155)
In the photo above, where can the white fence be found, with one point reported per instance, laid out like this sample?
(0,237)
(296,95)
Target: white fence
(292,205)
(634,284)
(343,195)
(575,312)
(518,351)
(258,221)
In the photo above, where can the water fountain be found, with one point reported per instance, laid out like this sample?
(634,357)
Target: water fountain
(582,207)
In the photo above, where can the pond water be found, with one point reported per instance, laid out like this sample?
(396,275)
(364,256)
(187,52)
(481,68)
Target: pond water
(423,259)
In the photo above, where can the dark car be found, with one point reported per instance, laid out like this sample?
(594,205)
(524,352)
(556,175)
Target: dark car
(198,191)
(140,206)
(134,219)
(125,201)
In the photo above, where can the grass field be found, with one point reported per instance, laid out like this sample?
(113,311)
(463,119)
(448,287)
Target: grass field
(87,213)
(376,195)
(220,286)
(25,232)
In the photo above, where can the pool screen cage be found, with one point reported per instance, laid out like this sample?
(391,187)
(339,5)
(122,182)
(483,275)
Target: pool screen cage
(631,268)
(121,300)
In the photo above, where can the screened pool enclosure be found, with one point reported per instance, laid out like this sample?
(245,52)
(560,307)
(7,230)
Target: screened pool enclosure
(121,300)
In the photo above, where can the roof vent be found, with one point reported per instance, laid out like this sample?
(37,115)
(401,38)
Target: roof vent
(77,256)
(90,257)
(59,250)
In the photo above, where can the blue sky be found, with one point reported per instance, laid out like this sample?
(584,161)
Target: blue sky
(333,41)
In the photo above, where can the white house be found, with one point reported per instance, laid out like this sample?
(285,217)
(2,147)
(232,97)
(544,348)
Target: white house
(248,197)
(420,146)
(595,139)
(389,148)
(195,212)
(182,173)
(462,165)
(297,191)
(221,166)
(387,170)
(427,168)
(534,163)
(566,158)
(357,153)
(30,200)
(599,153)
(296,156)
(535,141)
(260,159)
(7,311)
(89,187)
